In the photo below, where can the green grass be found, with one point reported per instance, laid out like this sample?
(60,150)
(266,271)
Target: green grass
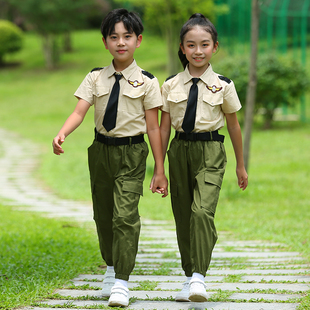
(39,254)
(35,103)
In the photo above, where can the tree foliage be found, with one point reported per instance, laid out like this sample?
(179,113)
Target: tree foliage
(10,39)
(280,81)
(52,18)
(168,16)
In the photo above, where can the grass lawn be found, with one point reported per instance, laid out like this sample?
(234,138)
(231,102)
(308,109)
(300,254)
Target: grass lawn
(35,103)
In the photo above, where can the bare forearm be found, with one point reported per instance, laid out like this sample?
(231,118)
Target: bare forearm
(156,145)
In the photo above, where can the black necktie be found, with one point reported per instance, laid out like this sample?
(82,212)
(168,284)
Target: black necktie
(109,119)
(190,114)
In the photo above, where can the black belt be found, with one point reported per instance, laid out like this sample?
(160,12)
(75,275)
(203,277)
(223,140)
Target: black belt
(200,136)
(118,141)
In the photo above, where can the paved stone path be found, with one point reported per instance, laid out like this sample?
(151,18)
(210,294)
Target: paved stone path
(244,275)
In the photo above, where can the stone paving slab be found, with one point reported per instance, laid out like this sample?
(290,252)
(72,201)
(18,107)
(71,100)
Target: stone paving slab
(257,296)
(166,305)
(243,286)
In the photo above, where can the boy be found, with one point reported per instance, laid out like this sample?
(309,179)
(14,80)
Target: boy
(126,101)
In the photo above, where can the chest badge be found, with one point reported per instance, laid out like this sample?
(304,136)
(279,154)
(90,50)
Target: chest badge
(135,83)
(214,89)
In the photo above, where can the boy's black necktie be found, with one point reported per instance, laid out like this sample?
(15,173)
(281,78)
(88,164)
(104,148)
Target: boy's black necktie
(109,119)
(190,114)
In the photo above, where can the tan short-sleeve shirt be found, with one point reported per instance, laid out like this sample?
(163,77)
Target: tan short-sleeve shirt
(139,91)
(216,95)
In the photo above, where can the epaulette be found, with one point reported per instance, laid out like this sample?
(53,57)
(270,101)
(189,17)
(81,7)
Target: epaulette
(150,75)
(223,78)
(96,69)
(170,77)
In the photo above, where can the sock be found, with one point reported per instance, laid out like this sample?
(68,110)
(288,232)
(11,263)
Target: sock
(121,282)
(188,278)
(198,276)
(110,268)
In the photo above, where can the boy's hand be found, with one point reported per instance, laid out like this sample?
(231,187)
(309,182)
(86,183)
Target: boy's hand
(159,184)
(57,142)
(242,178)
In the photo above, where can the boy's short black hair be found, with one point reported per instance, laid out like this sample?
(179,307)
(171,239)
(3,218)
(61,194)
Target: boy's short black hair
(131,21)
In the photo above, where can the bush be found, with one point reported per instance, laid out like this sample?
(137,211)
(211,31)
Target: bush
(10,39)
(280,81)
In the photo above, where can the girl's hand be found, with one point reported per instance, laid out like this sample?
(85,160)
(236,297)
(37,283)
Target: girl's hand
(159,184)
(242,178)
(57,142)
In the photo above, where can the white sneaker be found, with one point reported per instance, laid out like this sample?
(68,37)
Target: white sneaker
(108,282)
(184,293)
(197,291)
(119,296)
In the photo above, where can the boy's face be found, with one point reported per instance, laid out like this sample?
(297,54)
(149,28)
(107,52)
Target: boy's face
(122,45)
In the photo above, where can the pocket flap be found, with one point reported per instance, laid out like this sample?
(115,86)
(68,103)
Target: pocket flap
(133,187)
(100,91)
(213,99)
(133,93)
(214,178)
(177,97)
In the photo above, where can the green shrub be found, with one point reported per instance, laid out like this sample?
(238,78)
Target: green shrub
(10,38)
(280,81)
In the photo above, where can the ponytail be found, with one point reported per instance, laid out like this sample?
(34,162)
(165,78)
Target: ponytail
(182,58)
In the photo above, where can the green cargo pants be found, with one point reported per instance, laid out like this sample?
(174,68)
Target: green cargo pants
(196,171)
(117,174)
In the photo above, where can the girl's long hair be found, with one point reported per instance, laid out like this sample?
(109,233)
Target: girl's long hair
(196,19)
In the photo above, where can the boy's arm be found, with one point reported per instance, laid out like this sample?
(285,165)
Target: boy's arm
(160,183)
(236,139)
(72,122)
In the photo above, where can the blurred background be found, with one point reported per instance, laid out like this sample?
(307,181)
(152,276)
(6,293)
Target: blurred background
(48,47)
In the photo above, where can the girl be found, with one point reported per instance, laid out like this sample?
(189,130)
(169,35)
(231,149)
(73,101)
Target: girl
(196,103)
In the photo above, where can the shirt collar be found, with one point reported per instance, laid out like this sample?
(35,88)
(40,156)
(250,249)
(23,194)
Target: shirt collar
(204,77)
(126,72)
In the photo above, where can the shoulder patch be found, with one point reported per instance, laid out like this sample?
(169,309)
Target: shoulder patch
(96,69)
(223,78)
(148,74)
(170,77)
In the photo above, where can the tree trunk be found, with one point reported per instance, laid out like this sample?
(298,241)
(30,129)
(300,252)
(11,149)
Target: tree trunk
(67,42)
(251,89)
(51,51)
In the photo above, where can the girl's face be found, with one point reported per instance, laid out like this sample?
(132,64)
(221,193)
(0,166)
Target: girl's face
(198,48)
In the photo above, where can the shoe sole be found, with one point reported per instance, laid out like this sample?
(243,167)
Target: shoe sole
(182,299)
(197,298)
(117,304)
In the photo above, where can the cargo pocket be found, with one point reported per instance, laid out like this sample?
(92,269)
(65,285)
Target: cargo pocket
(210,190)
(178,103)
(133,99)
(101,97)
(128,204)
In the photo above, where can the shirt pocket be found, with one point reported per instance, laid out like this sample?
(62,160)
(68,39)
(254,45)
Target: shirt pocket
(133,100)
(177,102)
(101,97)
(212,105)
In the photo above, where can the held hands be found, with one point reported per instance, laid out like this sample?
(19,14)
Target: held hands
(57,142)
(242,178)
(159,184)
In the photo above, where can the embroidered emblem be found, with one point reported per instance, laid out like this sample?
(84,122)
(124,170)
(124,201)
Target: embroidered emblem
(135,83)
(214,88)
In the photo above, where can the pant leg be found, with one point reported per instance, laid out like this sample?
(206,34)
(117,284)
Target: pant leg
(102,182)
(208,181)
(117,183)
(196,173)
(181,194)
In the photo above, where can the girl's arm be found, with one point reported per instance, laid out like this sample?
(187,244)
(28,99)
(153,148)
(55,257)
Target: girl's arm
(72,122)
(160,182)
(165,130)
(236,139)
